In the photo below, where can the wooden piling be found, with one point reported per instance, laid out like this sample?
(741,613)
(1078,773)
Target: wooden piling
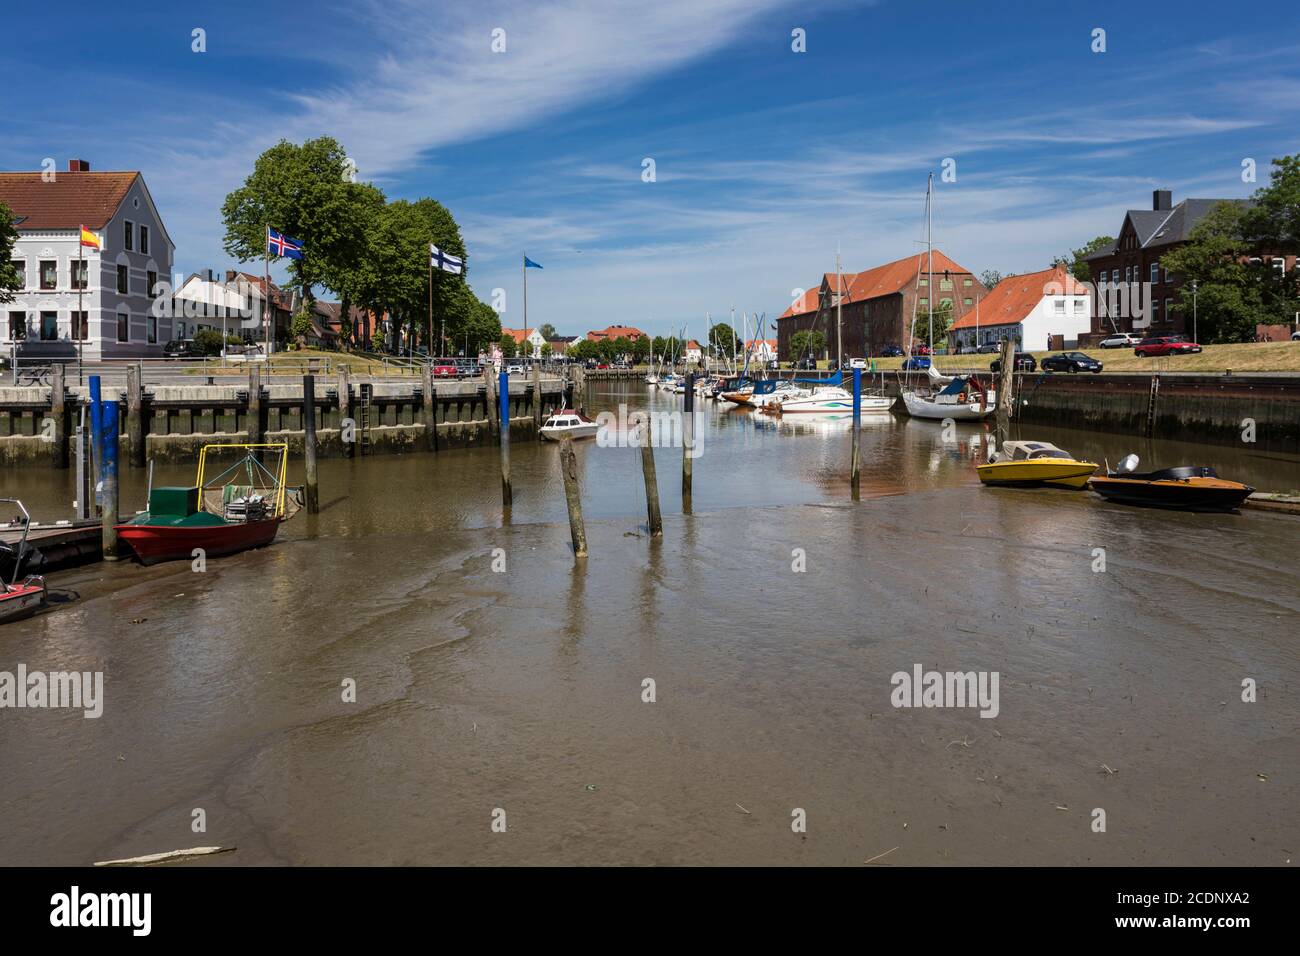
(345,413)
(507,492)
(430,407)
(688,442)
(135,416)
(537,398)
(108,492)
(654,519)
(854,467)
(309,442)
(59,417)
(1004,394)
(572,496)
(254,418)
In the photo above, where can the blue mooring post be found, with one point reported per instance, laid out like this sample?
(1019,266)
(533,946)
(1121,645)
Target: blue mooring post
(503,388)
(688,443)
(108,455)
(857,428)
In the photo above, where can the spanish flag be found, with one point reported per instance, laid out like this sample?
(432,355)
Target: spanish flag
(88,238)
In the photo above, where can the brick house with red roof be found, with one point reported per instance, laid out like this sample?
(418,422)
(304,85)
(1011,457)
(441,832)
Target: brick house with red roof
(614,332)
(119,282)
(1027,308)
(879,304)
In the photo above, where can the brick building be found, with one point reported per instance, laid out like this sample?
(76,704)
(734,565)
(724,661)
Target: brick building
(879,305)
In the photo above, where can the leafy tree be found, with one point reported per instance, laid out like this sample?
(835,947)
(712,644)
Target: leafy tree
(11,280)
(208,341)
(509,348)
(300,327)
(1232,295)
(584,350)
(641,349)
(991,277)
(548,331)
(622,346)
(547,350)
(1273,222)
(659,347)
(723,339)
(807,343)
(1075,260)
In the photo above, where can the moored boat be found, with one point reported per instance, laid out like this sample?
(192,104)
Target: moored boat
(831,399)
(21,600)
(568,422)
(1185,487)
(216,517)
(961,399)
(1027,463)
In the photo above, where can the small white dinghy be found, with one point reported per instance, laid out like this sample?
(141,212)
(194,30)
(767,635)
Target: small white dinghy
(568,422)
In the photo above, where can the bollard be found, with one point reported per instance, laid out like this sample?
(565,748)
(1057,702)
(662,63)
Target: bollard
(572,497)
(688,441)
(537,398)
(857,428)
(96,439)
(430,398)
(507,494)
(309,442)
(653,518)
(253,420)
(108,422)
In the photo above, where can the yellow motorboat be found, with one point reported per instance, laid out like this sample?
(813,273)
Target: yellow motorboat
(1036,463)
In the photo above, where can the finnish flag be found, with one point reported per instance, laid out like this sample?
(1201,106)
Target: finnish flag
(445,260)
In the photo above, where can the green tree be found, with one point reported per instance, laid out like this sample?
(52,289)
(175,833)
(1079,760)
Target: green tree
(723,340)
(807,343)
(208,341)
(548,331)
(11,280)
(300,327)
(641,350)
(1231,295)
(991,277)
(1273,221)
(304,192)
(547,350)
(509,347)
(1075,260)
(584,350)
(622,347)
(659,347)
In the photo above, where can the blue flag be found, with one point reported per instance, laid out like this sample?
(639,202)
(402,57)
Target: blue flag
(530,264)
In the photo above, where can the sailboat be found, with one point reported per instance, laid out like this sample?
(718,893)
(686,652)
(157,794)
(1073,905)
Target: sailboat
(959,397)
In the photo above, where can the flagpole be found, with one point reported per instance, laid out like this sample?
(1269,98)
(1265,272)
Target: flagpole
(266,288)
(81,282)
(525,292)
(430,306)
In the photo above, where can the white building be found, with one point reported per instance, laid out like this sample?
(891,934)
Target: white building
(1028,308)
(118,282)
(761,350)
(692,352)
(529,342)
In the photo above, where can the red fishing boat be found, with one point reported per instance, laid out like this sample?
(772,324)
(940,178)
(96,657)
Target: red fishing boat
(223,516)
(21,600)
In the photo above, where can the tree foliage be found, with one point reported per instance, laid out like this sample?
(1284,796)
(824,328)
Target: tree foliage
(723,339)
(1075,259)
(11,280)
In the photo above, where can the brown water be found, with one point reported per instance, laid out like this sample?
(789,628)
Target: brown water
(522,690)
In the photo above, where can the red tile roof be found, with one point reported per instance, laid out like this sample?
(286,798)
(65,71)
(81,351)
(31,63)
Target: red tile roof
(1016,296)
(882,280)
(614,332)
(69,201)
(519,335)
(692,344)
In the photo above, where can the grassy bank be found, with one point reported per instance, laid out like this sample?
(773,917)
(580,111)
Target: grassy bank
(1244,357)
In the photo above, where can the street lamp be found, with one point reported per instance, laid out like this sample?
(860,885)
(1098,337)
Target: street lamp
(1194,336)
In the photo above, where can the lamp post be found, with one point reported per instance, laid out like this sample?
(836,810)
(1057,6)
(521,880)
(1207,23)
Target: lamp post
(1194,336)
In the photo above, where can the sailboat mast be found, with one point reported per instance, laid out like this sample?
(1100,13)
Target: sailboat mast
(839,311)
(929,262)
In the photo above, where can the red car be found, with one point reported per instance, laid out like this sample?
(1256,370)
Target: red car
(444,370)
(1164,345)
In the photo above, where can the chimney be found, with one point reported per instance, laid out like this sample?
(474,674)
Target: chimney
(230,275)
(78,166)
(1162,200)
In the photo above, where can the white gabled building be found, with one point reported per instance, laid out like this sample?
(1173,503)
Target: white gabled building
(121,279)
(1027,308)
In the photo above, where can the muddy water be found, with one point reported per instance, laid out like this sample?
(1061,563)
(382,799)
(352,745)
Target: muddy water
(522,690)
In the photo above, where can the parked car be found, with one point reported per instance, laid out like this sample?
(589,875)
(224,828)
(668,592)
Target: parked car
(1070,362)
(988,347)
(514,368)
(180,349)
(1024,362)
(444,369)
(1295,336)
(807,364)
(1165,345)
(891,351)
(920,350)
(1120,340)
(916,363)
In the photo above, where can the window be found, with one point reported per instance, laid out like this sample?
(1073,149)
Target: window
(1279,265)
(80,325)
(945,284)
(21,266)
(144,240)
(150,284)
(1058,306)
(1169,304)
(180,331)
(1128,274)
(79,273)
(924,302)
(1080,306)
(49,274)
(49,326)
(968,301)
(17,326)
(967,282)
(1169,276)
(151,325)
(1155,273)
(128,235)
(123,327)
(1114,276)
(123,280)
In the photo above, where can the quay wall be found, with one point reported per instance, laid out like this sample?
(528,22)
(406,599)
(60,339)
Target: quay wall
(171,422)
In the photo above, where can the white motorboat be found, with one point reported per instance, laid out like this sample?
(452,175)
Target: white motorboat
(568,422)
(780,393)
(961,399)
(830,398)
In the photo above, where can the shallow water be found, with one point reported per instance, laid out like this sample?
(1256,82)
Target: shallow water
(522,690)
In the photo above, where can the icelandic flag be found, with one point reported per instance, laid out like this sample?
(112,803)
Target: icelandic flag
(530,264)
(281,245)
(445,260)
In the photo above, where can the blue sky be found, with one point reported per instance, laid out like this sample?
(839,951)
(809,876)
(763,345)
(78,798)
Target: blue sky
(766,160)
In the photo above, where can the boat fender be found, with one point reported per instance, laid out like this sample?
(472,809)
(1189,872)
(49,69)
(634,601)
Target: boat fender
(961,398)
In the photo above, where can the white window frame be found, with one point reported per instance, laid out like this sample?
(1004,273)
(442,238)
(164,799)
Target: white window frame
(142,243)
(1155,273)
